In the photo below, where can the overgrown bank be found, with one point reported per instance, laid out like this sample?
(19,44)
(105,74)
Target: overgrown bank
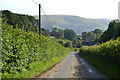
(27,54)
(105,57)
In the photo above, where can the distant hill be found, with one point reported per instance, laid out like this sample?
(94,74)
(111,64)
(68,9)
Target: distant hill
(76,23)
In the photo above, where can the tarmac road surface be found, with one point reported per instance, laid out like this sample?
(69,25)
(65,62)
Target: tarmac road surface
(73,66)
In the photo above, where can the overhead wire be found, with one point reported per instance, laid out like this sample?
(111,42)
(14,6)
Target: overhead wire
(44,13)
(46,17)
(35,2)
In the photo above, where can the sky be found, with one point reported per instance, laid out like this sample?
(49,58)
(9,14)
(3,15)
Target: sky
(94,9)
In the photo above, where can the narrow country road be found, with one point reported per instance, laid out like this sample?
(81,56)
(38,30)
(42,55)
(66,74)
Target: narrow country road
(73,66)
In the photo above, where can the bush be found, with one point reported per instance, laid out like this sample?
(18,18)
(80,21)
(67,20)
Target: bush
(108,53)
(22,51)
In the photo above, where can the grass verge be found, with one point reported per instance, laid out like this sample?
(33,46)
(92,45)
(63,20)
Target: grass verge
(109,71)
(39,67)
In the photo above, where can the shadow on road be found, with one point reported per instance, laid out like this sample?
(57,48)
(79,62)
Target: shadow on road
(86,70)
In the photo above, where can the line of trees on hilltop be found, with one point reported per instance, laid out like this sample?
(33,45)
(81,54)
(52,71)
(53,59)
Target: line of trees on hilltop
(26,22)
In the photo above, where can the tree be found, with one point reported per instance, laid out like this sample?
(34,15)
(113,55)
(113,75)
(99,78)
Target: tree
(60,34)
(54,32)
(84,36)
(69,34)
(88,37)
(28,23)
(45,32)
(91,36)
(79,44)
(79,37)
(98,33)
(113,31)
(74,43)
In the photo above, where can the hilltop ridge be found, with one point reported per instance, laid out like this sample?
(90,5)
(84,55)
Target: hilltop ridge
(78,24)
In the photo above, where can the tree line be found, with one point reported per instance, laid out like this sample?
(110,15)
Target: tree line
(112,32)
(72,38)
(92,35)
(21,21)
(29,23)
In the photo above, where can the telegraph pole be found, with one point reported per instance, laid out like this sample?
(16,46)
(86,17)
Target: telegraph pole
(39,19)
(119,10)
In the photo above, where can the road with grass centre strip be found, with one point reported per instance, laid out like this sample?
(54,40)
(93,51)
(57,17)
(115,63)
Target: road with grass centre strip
(73,66)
